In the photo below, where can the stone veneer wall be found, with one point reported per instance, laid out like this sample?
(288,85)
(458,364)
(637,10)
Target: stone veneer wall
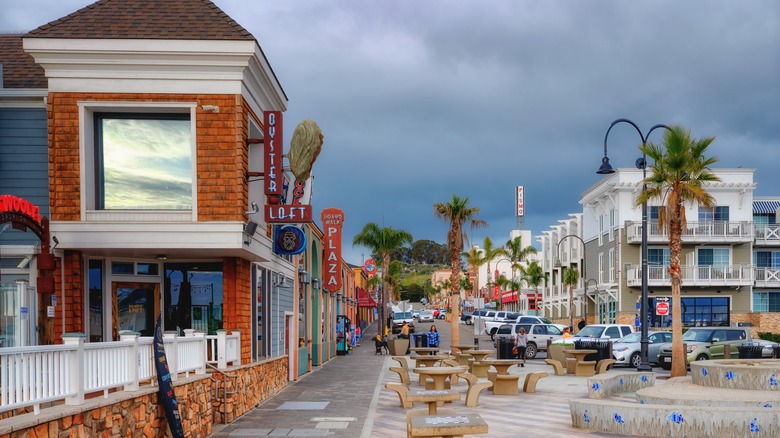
(138,414)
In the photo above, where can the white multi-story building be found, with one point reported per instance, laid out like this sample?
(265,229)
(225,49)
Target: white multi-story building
(730,256)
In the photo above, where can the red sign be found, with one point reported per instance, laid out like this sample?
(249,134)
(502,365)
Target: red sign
(272,144)
(369,267)
(10,203)
(287,214)
(520,201)
(662,308)
(364,300)
(332,219)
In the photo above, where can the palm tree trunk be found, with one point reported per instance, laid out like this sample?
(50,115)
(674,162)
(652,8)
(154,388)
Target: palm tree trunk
(455,250)
(679,355)
(571,308)
(385,293)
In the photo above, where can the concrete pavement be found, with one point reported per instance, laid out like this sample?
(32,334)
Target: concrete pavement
(345,397)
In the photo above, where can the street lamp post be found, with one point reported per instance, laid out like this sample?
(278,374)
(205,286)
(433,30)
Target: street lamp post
(584,273)
(641,163)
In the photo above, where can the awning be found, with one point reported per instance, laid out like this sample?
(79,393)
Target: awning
(364,300)
(765,207)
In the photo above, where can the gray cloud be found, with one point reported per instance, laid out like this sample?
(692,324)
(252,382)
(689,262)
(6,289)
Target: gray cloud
(420,100)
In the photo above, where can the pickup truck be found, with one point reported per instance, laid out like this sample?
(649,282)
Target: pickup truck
(491,323)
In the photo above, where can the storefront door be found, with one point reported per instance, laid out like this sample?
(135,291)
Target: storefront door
(136,306)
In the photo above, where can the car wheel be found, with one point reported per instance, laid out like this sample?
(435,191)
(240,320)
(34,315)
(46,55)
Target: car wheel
(702,357)
(530,351)
(666,366)
(636,360)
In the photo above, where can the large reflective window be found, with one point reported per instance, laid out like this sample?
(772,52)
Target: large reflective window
(193,296)
(144,161)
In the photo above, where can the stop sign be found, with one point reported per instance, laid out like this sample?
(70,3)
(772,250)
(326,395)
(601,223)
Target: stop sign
(662,308)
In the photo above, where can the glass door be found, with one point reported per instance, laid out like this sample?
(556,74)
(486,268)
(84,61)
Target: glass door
(17,314)
(136,306)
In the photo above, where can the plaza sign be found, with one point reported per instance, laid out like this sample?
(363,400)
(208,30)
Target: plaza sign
(332,220)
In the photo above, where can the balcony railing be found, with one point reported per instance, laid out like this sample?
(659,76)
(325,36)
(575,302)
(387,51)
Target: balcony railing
(740,275)
(767,234)
(30,376)
(767,277)
(711,231)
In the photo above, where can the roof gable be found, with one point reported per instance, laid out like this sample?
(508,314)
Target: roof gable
(19,68)
(145,19)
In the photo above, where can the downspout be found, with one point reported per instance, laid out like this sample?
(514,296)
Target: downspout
(62,284)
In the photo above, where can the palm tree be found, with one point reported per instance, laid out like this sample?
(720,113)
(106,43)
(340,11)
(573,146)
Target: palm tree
(488,254)
(570,277)
(394,278)
(533,275)
(382,241)
(517,253)
(474,260)
(457,213)
(678,176)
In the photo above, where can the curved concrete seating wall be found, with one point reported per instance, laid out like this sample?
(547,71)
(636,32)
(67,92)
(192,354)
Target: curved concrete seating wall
(604,385)
(755,374)
(636,419)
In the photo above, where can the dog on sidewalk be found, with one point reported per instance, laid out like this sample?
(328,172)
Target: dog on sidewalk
(380,344)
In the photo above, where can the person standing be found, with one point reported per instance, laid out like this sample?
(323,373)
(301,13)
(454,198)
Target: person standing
(405,335)
(433,337)
(637,323)
(521,342)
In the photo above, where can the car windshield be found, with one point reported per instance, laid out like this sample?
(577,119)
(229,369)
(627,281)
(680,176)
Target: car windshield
(591,331)
(697,335)
(427,313)
(633,337)
(402,315)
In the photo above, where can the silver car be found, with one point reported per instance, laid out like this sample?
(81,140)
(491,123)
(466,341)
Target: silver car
(425,316)
(626,350)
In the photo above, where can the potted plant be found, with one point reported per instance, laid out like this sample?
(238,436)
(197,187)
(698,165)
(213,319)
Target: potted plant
(398,346)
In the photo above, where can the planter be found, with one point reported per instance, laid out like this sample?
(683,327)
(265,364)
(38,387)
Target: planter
(398,347)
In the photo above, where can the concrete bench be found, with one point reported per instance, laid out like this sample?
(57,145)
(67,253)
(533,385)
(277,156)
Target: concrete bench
(475,388)
(604,385)
(603,365)
(585,368)
(403,374)
(506,384)
(401,361)
(557,366)
(403,392)
(531,379)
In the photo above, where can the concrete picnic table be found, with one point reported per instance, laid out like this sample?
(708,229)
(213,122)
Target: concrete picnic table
(579,356)
(477,367)
(422,350)
(447,426)
(464,348)
(433,397)
(439,374)
(427,361)
(502,365)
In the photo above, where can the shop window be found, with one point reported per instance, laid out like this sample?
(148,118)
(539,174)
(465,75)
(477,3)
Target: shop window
(122,268)
(143,162)
(704,312)
(764,302)
(95,292)
(193,297)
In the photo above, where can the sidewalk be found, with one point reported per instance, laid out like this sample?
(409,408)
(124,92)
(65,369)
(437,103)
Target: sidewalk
(346,398)
(335,399)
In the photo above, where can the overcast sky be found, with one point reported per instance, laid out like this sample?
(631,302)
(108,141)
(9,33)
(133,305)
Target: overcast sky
(420,100)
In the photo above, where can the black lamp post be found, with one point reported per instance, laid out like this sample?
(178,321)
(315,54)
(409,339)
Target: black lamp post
(582,277)
(641,163)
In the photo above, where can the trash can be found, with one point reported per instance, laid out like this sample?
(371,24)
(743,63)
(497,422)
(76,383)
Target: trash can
(750,351)
(420,340)
(603,348)
(504,348)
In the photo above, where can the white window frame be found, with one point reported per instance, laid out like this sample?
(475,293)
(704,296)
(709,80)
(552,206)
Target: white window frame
(87,145)
(601,268)
(611,265)
(612,220)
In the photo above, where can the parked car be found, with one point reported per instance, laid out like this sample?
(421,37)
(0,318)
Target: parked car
(613,332)
(626,350)
(705,343)
(478,314)
(538,335)
(465,317)
(491,324)
(425,316)
(442,314)
(528,319)
(416,313)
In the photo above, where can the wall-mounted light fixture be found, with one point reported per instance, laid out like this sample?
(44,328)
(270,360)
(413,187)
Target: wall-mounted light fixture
(161,257)
(315,283)
(338,296)
(249,231)
(303,276)
(26,261)
(212,108)
(280,279)
(253,209)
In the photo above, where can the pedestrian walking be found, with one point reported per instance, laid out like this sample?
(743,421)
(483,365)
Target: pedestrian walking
(521,341)
(433,337)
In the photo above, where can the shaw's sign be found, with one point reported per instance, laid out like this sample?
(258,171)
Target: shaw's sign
(332,219)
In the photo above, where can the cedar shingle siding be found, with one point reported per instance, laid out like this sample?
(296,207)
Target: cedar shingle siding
(145,19)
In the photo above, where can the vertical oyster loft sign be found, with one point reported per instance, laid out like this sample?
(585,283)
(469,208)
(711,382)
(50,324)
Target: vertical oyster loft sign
(332,219)
(272,141)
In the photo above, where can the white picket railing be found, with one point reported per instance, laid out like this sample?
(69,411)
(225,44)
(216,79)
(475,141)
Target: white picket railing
(31,376)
